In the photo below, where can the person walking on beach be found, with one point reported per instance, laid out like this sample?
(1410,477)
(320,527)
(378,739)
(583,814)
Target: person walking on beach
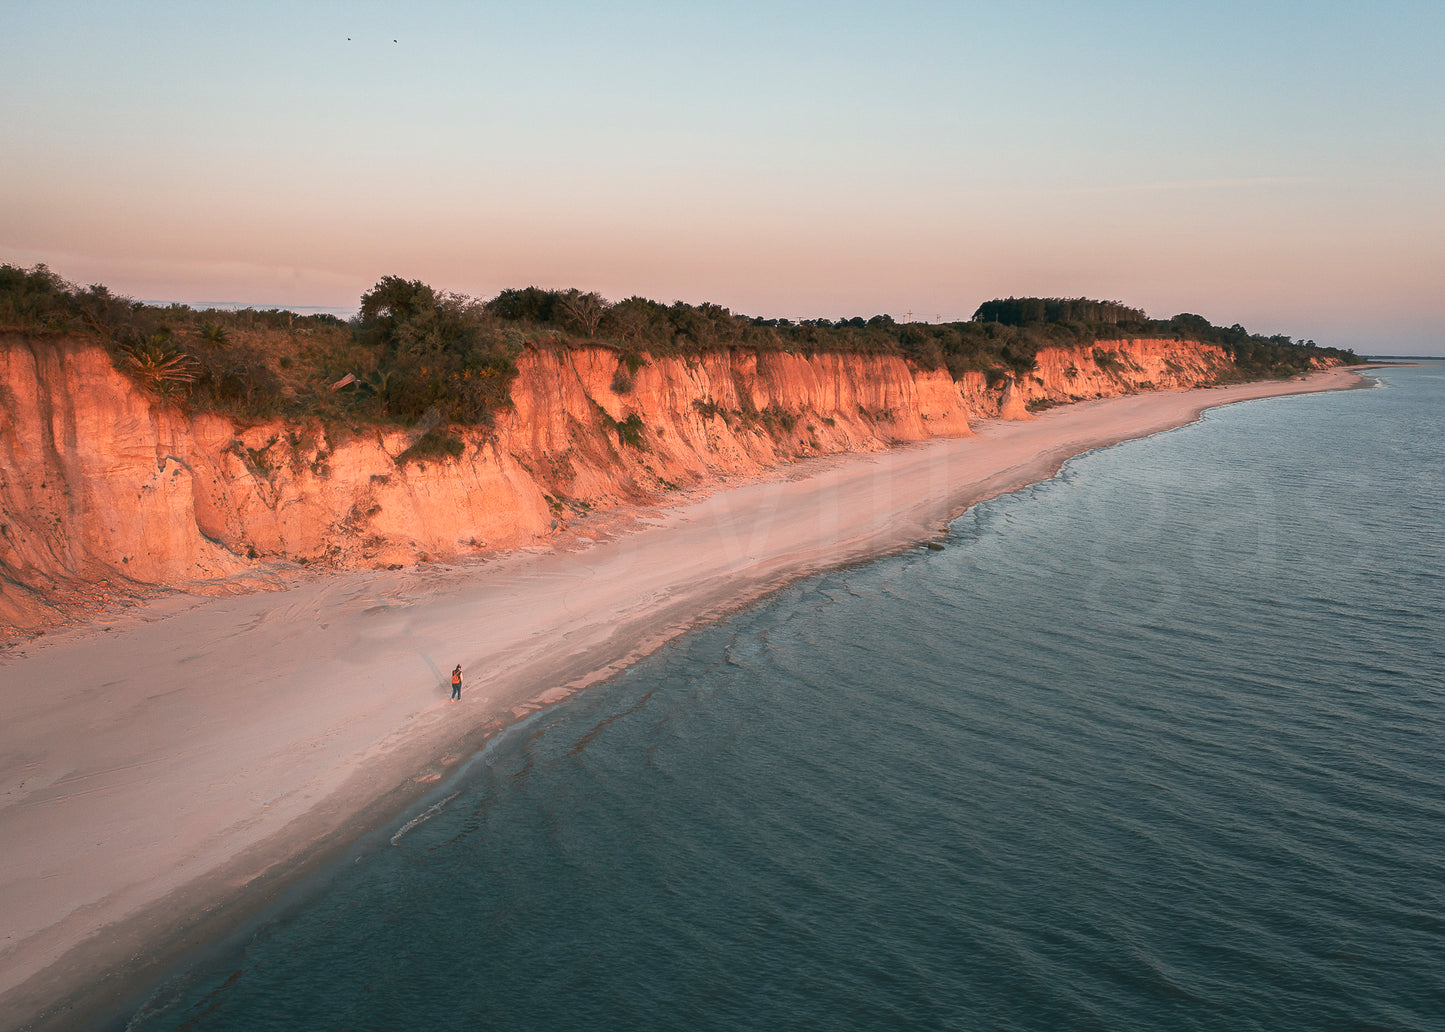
(457,683)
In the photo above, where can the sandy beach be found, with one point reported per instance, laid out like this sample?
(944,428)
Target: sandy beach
(167,771)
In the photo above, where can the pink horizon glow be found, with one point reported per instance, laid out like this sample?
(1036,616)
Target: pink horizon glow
(788,165)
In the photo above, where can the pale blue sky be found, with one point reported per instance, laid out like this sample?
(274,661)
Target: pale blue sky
(1277,164)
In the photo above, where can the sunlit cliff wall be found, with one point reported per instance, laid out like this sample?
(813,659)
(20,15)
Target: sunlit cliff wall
(104,488)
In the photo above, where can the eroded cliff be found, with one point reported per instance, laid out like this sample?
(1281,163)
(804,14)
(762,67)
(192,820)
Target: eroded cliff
(1061,376)
(105,489)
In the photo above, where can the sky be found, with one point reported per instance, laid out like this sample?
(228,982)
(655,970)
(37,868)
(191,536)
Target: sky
(1276,164)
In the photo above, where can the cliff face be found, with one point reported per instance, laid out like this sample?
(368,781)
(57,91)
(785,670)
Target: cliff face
(103,488)
(1061,376)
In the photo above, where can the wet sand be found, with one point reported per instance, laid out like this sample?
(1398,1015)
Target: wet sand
(167,773)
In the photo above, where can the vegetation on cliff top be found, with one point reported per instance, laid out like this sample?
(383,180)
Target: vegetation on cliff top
(414,353)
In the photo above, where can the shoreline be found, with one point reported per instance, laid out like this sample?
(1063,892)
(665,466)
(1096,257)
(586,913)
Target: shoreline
(209,804)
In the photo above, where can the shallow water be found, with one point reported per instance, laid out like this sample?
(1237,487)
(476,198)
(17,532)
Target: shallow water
(1155,744)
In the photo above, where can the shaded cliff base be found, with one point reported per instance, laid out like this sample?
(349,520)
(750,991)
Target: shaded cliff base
(173,771)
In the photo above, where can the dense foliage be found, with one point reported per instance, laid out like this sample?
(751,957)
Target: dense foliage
(434,353)
(413,354)
(248,363)
(1025,311)
(1003,336)
(1080,322)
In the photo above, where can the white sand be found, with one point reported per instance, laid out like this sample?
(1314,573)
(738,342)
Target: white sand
(183,762)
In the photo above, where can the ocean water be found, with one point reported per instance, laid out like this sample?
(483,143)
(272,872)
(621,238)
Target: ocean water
(1155,744)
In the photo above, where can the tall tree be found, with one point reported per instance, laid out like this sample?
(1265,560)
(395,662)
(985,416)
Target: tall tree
(583,311)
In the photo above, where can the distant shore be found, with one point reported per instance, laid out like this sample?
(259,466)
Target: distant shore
(169,773)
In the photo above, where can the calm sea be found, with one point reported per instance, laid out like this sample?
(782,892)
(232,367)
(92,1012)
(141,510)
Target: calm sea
(1156,744)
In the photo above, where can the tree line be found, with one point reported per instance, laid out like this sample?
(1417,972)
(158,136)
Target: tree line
(1025,311)
(413,352)
(1003,335)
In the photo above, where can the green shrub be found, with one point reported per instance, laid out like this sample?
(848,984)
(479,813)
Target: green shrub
(1040,404)
(710,409)
(1108,361)
(629,431)
(776,417)
(160,366)
(996,378)
(435,445)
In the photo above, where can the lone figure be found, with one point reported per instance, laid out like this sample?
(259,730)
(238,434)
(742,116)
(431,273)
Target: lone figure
(457,683)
